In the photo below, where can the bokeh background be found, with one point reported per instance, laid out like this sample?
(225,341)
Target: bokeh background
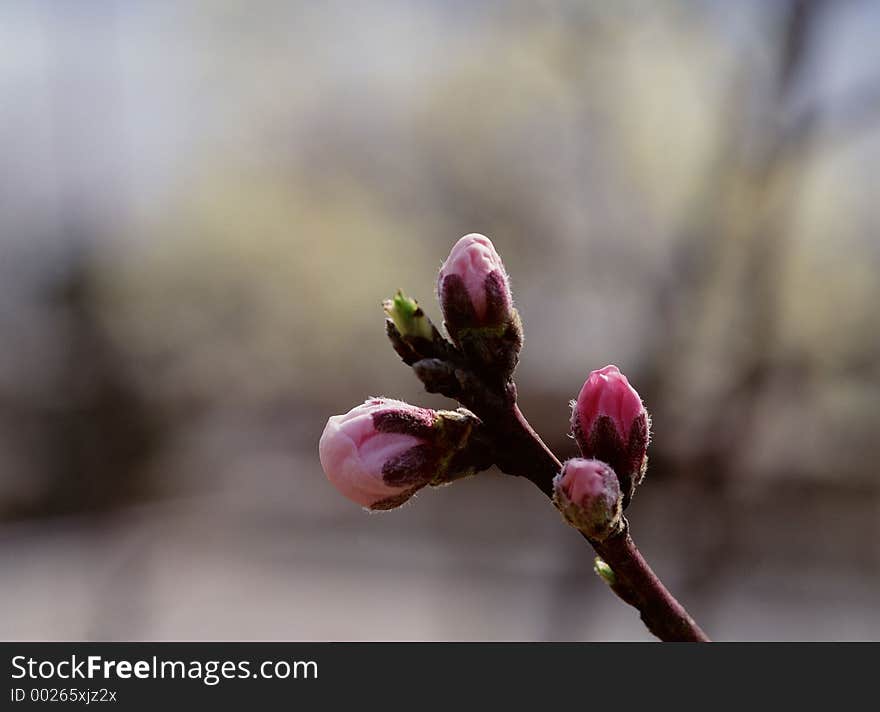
(202,205)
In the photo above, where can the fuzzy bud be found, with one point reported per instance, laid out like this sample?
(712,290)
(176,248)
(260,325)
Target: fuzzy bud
(588,495)
(610,424)
(381,453)
(474,293)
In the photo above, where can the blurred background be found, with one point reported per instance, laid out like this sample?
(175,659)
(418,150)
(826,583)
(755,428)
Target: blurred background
(202,205)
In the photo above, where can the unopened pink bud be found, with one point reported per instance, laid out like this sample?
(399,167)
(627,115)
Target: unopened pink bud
(478,310)
(611,424)
(607,393)
(588,495)
(473,279)
(379,453)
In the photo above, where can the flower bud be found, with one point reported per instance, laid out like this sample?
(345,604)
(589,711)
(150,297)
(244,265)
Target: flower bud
(381,453)
(474,293)
(408,316)
(588,495)
(604,571)
(610,424)
(475,267)
(412,334)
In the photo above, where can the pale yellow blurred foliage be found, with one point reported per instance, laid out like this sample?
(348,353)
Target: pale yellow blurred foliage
(664,97)
(251,284)
(831,291)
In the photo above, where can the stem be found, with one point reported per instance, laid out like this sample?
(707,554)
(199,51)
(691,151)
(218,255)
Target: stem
(519,451)
(639,586)
(634,581)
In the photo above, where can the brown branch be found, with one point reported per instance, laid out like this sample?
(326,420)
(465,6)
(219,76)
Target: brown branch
(519,451)
(634,580)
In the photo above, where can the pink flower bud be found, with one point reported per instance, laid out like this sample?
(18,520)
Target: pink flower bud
(611,424)
(588,495)
(474,270)
(477,306)
(379,453)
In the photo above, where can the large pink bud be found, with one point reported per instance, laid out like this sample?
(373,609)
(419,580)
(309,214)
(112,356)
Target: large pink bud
(376,466)
(474,293)
(611,424)
(588,495)
(381,453)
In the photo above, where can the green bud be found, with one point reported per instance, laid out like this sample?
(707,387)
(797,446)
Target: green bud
(604,571)
(408,317)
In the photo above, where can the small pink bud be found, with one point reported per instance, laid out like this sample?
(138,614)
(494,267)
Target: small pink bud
(379,453)
(588,495)
(478,266)
(611,424)
(474,293)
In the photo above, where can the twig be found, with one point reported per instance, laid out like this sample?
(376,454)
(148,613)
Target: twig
(519,451)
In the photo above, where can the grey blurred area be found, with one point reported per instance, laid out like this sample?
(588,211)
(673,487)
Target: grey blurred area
(202,205)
